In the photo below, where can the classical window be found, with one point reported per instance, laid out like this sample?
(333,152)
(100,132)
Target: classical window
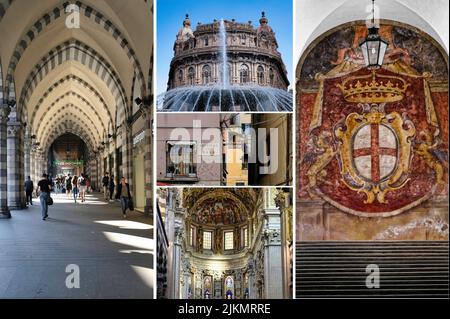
(228,240)
(180,159)
(244,73)
(271,76)
(260,74)
(192,236)
(191,76)
(245,237)
(243,40)
(180,76)
(206,74)
(206,41)
(207,240)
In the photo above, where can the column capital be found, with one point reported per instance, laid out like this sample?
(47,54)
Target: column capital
(4,113)
(13,129)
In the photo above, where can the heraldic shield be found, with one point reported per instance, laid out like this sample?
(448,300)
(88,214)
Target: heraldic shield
(368,129)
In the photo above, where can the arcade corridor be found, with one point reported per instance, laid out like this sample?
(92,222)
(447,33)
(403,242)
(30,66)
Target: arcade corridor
(81,69)
(75,97)
(114,255)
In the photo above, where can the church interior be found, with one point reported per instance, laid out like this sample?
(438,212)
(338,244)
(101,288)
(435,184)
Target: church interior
(224,243)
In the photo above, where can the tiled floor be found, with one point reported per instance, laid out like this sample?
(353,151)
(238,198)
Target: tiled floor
(114,255)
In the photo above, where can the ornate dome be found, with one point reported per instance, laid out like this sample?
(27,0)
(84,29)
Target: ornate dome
(219,206)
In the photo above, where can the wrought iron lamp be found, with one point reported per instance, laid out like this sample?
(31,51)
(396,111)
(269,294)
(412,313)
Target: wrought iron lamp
(373,47)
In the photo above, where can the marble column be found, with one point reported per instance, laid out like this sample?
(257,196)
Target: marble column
(94,173)
(4,210)
(282,201)
(251,281)
(27,156)
(273,268)
(176,265)
(15,169)
(37,167)
(186,279)
(148,165)
(127,156)
(31,164)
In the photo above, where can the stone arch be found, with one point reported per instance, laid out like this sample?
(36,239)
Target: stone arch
(307,50)
(260,73)
(191,76)
(68,108)
(57,13)
(206,74)
(4,5)
(79,123)
(84,84)
(244,73)
(77,51)
(68,126)
(345,11)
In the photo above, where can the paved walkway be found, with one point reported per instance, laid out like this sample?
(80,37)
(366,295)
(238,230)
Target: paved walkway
(114,255)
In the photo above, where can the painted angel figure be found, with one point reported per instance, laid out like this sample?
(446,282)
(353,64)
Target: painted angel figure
(319,154)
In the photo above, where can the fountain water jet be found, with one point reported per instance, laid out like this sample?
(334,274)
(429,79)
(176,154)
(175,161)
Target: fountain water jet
(223,54)
(225,95)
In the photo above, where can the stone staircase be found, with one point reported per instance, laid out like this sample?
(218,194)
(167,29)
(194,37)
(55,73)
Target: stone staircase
(337,269)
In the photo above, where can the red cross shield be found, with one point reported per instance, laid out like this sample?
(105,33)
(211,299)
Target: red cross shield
(375,149)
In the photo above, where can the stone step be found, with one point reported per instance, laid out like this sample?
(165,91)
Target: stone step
(338,269)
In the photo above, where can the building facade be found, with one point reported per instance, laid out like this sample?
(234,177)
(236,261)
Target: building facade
(253,58)
(232,149)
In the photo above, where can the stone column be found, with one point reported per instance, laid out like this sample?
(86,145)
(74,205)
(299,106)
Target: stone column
(148,165)
(15,169)
(174,230)
(93,170)
(31,164)
(186,278)
(273,268)
(176,257)
(282,201)
(4,210)
(127,158)
(251,280)
(27,155)
(37,165)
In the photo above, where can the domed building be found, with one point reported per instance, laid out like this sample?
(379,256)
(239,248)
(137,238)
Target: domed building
(224,243)
(227,66)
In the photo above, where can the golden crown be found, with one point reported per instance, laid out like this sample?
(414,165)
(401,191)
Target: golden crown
(374,88)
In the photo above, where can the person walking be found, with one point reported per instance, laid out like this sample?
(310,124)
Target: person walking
(45,187)
(75,188)
(105,183)
(124,194)
(29,187)
(112,187)
(83,187)
(68,185)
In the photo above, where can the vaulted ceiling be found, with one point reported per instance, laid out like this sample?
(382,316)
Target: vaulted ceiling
(78,80)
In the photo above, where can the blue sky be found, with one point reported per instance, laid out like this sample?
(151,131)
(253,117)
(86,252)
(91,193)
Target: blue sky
(171,13)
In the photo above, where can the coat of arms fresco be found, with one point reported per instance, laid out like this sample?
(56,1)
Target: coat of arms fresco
(374,142)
